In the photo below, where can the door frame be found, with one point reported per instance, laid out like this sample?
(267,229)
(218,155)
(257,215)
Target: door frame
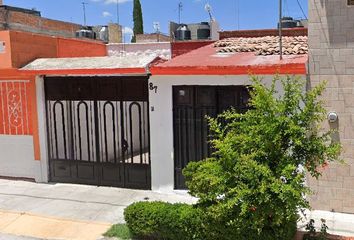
(195,101)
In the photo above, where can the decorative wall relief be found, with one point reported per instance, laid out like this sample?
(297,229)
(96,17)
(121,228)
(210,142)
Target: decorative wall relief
(14,108)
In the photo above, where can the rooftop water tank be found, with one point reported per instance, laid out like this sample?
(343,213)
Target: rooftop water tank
(183,33)
(288,22)
(86,32)
(203,31)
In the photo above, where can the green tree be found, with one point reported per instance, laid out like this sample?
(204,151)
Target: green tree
(254,184)
(138,20)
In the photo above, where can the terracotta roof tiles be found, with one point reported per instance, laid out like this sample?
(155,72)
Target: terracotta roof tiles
(269,45)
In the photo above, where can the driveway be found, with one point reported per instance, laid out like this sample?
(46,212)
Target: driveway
(68,211)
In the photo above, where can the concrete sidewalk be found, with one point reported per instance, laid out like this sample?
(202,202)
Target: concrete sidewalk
(68,211)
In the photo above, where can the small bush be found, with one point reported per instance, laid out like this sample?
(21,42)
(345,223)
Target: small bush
(159,220)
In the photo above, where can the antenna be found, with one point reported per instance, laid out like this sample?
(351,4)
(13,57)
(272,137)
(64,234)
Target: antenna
(238,14)
(156,27)
(84,8)
(209,9)
(180,9)
(117,12)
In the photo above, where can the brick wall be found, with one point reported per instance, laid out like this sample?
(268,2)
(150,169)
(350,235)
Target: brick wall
(331,58)
(80,48)
(264,32)
(26,47)
(115,34)
(16,20)
(22,47)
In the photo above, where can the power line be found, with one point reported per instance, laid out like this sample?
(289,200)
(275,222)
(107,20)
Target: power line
(302,10)
(287,12)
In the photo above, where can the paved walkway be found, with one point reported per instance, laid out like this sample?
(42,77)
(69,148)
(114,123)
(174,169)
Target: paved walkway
(67,211)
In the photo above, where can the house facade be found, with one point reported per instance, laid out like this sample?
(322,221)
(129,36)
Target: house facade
(207,81)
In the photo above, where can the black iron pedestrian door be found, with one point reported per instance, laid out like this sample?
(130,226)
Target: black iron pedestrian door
(98,131)
(191,105)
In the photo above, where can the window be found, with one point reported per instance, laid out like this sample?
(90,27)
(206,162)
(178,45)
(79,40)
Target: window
(350,2)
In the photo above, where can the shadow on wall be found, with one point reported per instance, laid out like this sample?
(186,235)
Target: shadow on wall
(338,28)
(335,136)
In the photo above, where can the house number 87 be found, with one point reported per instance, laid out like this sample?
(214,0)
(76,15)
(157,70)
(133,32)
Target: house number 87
(152,87)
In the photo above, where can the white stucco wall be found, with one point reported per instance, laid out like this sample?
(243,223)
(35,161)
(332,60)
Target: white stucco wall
(17,156)
(161,121)
(42,170)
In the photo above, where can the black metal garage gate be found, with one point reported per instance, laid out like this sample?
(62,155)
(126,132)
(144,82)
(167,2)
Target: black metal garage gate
(191,105)
(98,131)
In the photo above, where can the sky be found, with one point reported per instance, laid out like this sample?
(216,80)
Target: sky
(231,14)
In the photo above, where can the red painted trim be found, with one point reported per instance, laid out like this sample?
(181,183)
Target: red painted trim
(266,70)
(87,71)
(15,74)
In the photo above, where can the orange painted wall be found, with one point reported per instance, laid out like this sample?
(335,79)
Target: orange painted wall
(5,57)
(22,48)
(26,47)
(80,48)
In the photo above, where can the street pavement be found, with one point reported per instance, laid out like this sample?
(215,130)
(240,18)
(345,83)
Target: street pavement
(67,211)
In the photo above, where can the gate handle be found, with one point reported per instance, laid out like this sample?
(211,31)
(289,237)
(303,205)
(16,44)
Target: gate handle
(125,145)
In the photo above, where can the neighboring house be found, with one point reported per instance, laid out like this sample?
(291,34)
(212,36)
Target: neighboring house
(331,59)
(19,129)
(29,20)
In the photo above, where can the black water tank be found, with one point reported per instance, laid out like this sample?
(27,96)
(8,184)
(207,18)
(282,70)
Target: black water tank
(203,31)
(288,22)
(183,33)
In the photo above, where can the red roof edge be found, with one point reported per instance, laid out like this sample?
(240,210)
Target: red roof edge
(289,32)
(291,69)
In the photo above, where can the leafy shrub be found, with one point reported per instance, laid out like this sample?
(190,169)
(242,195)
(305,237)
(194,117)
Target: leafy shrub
(159,220)
(253,185)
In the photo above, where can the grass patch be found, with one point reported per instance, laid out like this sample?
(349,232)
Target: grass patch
(120,231)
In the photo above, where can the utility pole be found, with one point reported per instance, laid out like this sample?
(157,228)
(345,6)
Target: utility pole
(238,14)
(180,8)
(118,12)
(280,29)
(84,8)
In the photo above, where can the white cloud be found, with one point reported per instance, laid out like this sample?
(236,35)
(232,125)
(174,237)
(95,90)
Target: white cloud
(128,31)
(106,14)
